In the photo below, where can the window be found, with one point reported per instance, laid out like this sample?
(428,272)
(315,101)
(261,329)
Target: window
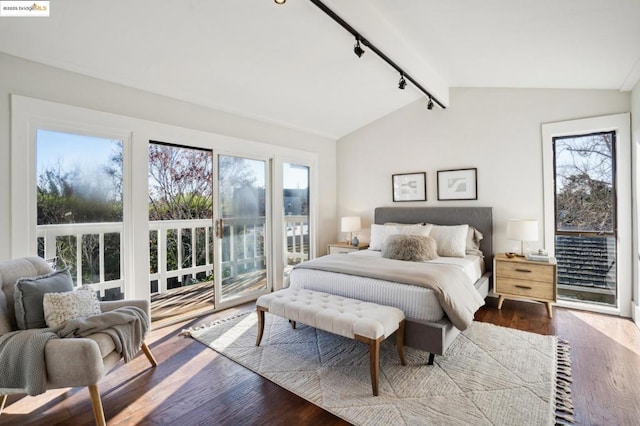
(80,207)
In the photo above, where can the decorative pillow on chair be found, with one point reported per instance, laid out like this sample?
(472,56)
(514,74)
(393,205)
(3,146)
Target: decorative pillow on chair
(451,240)
(413,248)
(29,293)
(62,307)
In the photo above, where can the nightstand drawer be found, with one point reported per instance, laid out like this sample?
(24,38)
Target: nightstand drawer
(526,288)
(526,271)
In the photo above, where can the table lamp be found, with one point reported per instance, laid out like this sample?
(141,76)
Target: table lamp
(522,230)
(351,224)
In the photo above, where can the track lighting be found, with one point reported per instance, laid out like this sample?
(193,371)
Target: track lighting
(357,49)
(430,104)
(402,83)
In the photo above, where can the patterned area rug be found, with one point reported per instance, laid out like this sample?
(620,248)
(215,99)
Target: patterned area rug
(490,375)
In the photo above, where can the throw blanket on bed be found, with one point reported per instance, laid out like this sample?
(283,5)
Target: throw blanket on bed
(22,353)
(453,288)
(127,326)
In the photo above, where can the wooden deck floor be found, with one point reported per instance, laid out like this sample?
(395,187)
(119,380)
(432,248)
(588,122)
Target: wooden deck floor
(182,303)
(194,385)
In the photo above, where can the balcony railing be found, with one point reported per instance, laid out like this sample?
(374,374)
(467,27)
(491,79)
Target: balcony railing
(187,242)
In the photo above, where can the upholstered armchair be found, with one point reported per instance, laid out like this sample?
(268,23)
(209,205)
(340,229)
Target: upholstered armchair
(70,362)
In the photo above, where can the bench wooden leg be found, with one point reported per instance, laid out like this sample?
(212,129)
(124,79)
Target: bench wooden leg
(260,310)
(400,342)
(3,400)
(374,360)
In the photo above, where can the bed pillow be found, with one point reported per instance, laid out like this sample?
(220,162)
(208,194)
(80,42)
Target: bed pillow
(451,241)
(62,307)
(379,233)
(473,241)
(29,293)
(413,248)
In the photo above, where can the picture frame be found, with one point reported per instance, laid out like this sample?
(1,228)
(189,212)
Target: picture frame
(409,186)
(457,184)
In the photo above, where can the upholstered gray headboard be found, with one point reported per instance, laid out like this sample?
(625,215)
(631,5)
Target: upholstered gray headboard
(480,217)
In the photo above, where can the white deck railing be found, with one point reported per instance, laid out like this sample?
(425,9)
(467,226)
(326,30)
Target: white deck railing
(244,250)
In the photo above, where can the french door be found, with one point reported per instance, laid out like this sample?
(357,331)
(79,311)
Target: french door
(243,231)
(208,229)
(587,210)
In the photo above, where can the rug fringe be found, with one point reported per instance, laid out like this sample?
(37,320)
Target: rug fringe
(563,406)
(188,331)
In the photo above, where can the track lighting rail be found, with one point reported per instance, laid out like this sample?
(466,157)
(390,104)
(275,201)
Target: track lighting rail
(344,24)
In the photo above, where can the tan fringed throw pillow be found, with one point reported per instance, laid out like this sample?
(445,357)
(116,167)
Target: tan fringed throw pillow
(62,307)
(413,248)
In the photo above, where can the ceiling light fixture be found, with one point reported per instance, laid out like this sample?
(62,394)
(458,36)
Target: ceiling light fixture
(402,83)
(280,1)
(357,49)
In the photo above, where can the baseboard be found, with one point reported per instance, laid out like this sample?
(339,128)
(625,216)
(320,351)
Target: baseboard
(635,313)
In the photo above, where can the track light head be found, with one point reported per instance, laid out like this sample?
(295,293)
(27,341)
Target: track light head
(430,104)
(402,83)
(357,49)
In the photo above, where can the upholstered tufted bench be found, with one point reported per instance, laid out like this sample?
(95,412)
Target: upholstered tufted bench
(366,322)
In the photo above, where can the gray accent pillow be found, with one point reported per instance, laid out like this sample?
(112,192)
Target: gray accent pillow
(413,248)
(29,293)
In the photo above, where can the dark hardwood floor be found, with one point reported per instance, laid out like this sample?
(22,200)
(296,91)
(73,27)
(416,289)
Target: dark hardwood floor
(193,385)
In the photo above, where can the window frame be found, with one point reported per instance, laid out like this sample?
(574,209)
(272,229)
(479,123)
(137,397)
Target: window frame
(621,125)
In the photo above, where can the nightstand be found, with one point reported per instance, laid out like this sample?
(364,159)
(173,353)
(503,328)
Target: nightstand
(345,247)
(518,278)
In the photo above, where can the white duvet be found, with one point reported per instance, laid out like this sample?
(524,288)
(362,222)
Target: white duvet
(418,303)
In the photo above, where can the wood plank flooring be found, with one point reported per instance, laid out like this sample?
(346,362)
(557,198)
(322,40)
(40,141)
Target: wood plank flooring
(195,385)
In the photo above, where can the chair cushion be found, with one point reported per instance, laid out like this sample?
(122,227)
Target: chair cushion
(105,343)
(29,294)
(62,307)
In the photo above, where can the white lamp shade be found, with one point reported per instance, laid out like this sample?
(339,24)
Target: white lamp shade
(522,229)
(350,224)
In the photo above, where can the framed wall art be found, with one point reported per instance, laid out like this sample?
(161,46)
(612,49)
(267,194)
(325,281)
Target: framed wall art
(409,186)
(459,184)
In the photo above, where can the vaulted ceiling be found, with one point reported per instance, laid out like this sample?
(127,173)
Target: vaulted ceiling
(292,65)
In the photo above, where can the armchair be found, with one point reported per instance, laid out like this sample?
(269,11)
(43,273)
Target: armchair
(69,362)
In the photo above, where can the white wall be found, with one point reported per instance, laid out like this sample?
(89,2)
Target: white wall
(496,130)
(18,76)
(635,143)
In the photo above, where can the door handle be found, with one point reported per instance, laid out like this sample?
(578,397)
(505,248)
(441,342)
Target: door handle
(219,230)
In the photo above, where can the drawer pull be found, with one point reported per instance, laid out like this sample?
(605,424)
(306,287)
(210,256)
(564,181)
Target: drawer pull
(525,287)
(522,270)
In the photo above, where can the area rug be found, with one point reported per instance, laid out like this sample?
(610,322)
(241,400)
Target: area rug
(490,375)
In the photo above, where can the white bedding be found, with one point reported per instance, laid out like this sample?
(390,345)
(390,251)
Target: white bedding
(417,302)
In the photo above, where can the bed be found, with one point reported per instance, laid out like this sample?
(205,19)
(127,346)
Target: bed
(428,327)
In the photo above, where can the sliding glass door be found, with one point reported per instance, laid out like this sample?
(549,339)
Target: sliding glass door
(242,227)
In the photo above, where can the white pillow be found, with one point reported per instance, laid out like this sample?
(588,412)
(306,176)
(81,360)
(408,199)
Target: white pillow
(451,240)
(62,307)
(473,241)
(379,233)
